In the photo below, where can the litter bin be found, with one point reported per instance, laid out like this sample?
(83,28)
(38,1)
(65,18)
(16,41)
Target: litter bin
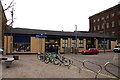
(16,57)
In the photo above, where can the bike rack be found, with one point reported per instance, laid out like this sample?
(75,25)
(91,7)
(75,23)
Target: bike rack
(105,67)
(80,68)
(97,72)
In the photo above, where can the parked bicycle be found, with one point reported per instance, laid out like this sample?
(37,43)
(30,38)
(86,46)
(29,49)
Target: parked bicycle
(62,60)
(42,56)
(52,57)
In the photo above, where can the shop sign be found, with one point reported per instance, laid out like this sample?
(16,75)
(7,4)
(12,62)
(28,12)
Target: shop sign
(40,36)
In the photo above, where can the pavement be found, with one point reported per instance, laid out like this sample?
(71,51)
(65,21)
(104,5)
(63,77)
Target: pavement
(28,66)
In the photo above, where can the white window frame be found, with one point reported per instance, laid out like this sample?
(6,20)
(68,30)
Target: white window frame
(98,27)
(113,14)
(94,20)
(113,23)
(65,43)
(103,25)
(107,25)
(94,28)
(107,17)
(81,43)
(102,18)
(98,19)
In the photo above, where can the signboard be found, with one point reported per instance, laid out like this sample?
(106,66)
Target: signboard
(40,36)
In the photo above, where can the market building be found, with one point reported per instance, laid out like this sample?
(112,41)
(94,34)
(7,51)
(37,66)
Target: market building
(29,41)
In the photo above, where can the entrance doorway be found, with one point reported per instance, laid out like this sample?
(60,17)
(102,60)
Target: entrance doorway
(51,45)
(51,48)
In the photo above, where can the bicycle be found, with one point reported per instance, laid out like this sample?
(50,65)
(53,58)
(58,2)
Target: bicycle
(51,57)
(63,60)
(41,56)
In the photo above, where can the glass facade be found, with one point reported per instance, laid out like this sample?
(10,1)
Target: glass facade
(103,44)
(21,43)
(65,43)
(81,43)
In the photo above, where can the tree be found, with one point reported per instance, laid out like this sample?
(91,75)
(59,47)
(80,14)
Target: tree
(9,9)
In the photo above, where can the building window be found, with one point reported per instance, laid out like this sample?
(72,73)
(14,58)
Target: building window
(107,17)
(98,27)
(98,19)
(21,43)
(107,24)
(112,14)
(102,25)
(94,28)
(102,18)
(65,43)
(113,24)
(94,20)
(81,42)
(103,44)
(74,43)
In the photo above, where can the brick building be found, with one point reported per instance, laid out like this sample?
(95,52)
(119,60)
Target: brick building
(107,21)
(3,21)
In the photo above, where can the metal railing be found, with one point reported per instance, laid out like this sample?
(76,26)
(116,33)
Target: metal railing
(97,72)
(105,67)
(80,68)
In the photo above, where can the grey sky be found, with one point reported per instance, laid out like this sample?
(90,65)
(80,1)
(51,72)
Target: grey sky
(57,14)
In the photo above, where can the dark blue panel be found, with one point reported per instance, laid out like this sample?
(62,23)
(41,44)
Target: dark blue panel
(21,38)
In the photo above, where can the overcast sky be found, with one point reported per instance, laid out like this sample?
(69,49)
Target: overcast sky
(57,14)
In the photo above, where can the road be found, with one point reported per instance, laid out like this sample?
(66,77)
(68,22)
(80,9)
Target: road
(28,66)
(99,59)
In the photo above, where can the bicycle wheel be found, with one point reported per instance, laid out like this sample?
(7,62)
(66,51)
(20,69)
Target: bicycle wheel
(65,62)
(46,60)
(41,57)
(56,61)
(38,56)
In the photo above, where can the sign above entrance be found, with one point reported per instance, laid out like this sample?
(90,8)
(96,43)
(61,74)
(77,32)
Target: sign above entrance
(40,36)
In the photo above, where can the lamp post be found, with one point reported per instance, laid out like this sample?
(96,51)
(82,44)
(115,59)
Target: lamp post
(11,43)
(104,22)
(76,39)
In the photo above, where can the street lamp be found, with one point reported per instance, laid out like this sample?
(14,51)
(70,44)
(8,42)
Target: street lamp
(104,22)
(11,45)
(76,39)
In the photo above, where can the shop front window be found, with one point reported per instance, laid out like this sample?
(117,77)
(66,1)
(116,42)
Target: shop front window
(21,43)
(21,47)
(103,44)
(65,43)
(81,42)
